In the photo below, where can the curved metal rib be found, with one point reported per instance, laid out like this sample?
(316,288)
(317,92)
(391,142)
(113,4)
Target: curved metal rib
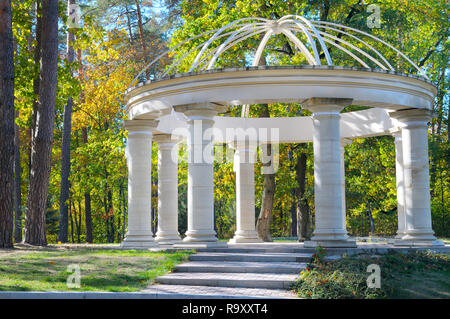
(355,48)
(242,37)
(322,44)
(299,45)
(192,50)
(230,25)
(247,27)
(306,32)
(220,49)
(363,42)
(378,39)
(165,52)
(261,47)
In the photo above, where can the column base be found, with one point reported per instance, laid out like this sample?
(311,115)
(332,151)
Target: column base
(245,237)
(418,238)
(193,236)
(418,241)
(330,239)
(138,242)
(167,238)
(200,239)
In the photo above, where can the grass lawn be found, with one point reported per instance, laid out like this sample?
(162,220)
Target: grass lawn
(413,275)
(45,269)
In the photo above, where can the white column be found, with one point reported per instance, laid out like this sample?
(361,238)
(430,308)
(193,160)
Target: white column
(200,232)
(167,189)
(399,179)
(244,161)
(329,226)
(139,159)
(344,143)
(418,230)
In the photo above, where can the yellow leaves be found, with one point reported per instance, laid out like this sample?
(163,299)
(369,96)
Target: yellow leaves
(105,79)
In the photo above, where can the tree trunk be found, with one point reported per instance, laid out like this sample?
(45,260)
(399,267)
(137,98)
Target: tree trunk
(6,125)
(119,223)
(141,27)
(265,215)
(84,132)
(17,185)
(141,34)
(293,216)
(294,204)
(88,217)
(111,218)
(130,31)
(71,221)
(78,222)
(17,166)
(37,62)
(35,228)
(303,211)
(65,149)
(108,219)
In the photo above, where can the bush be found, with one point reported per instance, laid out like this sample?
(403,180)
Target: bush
(346,278)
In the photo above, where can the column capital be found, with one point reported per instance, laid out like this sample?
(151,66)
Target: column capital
(200,111)
(166,138)
(396,132)
(140,125)
(418,116)
(326,104)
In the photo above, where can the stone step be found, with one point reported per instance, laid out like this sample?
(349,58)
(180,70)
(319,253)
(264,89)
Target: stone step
(206,292)
(244,280)
(255,250)
(241,267)
(251,257)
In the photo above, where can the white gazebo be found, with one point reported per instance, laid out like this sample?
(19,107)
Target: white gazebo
(174,107)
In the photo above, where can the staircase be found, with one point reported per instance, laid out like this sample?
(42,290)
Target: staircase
(245,271)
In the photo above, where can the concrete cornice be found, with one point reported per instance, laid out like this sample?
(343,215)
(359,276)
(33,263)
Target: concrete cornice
(285,85)
(277,67)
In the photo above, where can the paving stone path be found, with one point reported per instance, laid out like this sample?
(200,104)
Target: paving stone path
(257,272)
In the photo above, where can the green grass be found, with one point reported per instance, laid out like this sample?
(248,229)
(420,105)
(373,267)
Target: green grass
(278,240)
(413,275)
(101,269)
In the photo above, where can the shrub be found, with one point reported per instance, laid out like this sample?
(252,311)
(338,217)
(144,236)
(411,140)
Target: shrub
(346,278)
